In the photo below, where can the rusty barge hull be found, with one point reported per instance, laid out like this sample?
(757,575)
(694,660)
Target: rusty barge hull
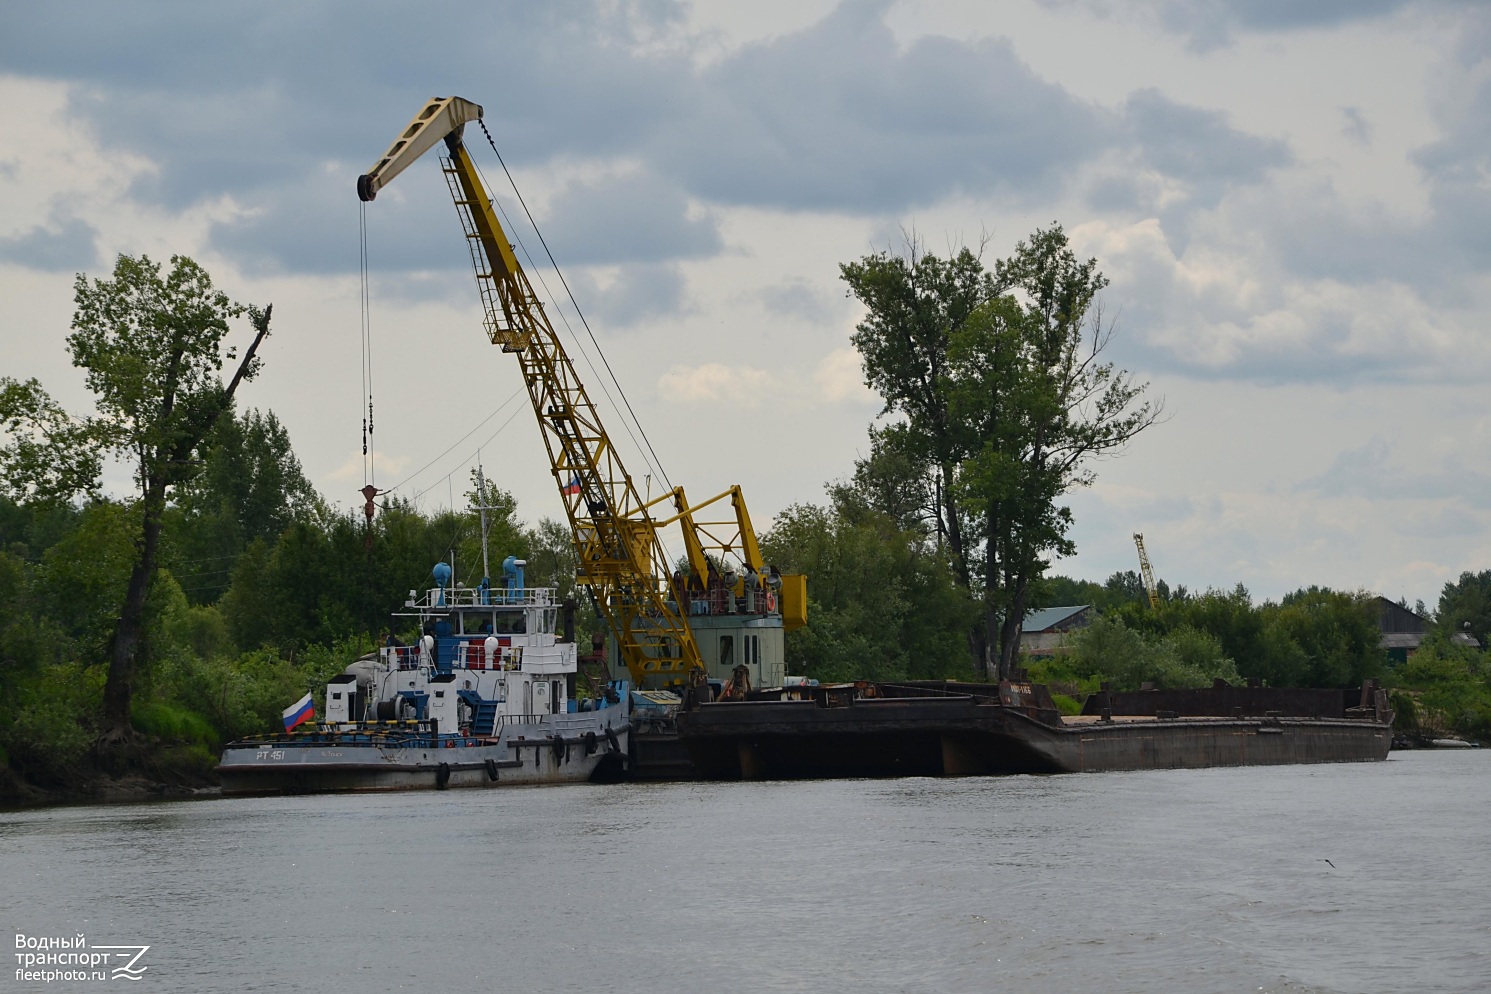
(972,735)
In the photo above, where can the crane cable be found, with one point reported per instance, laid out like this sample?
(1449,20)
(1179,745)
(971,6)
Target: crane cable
(369,475)
(655,463)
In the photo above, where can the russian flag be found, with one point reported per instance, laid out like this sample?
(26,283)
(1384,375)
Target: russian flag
(573,486)
(301,711)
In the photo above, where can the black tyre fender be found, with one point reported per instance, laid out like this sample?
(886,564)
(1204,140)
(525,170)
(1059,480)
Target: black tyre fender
(612,740)
(558,747)
(492,770)
(442,776)
(591,743)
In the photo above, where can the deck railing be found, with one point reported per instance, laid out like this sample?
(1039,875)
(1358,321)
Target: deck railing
(476,597)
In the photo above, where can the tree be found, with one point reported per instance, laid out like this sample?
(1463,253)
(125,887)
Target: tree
(897,479)
(1187,657)
(1006,399)
(1052,406)
(915,304)
(250,487)
(1465,605)
(153,348)
(1336,631)
(883,605)
(50,457)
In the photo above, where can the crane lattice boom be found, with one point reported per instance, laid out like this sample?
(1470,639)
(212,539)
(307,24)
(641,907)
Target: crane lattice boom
(621,556)
(1146,572)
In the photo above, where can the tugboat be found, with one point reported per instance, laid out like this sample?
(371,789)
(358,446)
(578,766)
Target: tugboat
(489,695)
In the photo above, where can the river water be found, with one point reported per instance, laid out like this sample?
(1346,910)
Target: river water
(1183,881)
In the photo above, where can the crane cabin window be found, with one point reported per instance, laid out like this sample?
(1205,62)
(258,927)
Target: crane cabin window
(727,651)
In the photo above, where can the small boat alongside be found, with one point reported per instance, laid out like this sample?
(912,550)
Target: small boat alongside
(489,695)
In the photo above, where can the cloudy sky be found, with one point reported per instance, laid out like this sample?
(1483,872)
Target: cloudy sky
(1293,203)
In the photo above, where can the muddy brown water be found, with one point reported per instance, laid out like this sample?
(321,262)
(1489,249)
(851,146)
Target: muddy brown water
(1371,877)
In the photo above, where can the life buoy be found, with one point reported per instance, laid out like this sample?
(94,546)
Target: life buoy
(771,601)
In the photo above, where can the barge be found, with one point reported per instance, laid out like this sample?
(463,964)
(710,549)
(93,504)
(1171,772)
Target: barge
(951,729)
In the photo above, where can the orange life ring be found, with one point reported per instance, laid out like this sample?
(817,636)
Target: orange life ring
(771,601)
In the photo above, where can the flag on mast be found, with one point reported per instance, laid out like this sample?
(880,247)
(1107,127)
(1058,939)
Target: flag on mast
(573,486)
(301,711)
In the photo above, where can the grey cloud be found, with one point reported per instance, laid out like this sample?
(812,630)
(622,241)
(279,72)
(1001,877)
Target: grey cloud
(634,218)
(797,300)
(262,102)
(1318,235)
(840,117)
(62,246)
(1210,24)
(1357,127)
(1460,231)
(1177,161)
(639,292)
(1370,472)
(310,225)
(240,95)
(1198,145)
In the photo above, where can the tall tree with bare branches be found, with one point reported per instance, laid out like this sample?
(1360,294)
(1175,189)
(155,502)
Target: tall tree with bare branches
(1006,394)
(153,347)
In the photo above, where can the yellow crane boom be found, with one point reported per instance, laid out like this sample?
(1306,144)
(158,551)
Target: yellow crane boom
(1146,572)
(621,555)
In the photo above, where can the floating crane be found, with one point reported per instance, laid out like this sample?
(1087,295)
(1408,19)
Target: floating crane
(1147,572)
(654,612)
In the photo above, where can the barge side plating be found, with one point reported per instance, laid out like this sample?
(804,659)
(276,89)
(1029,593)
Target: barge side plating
(946,729)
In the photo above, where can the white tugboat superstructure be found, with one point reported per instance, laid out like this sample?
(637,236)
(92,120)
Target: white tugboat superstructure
(487,695)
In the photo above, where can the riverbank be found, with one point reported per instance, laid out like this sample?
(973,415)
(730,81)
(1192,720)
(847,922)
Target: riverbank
(140,771)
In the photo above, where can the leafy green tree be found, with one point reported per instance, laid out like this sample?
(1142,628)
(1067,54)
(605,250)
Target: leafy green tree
(1109,650)
(49,457)
(250,487)
(1065,407)
(1465,606)
(1451,685)
(1337,632)
(897,479)
(915,304)
(1064,591)
(883,605)
(152,347)
(1006,399)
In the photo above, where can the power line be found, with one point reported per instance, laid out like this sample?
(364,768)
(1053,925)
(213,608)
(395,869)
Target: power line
(656,463)
(502,427)
(458,441)
(574,338)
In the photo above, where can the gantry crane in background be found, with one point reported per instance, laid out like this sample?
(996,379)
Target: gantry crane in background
(622,558)
(1146,572)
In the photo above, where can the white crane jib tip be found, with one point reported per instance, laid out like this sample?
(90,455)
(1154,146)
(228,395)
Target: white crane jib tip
(440,117)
